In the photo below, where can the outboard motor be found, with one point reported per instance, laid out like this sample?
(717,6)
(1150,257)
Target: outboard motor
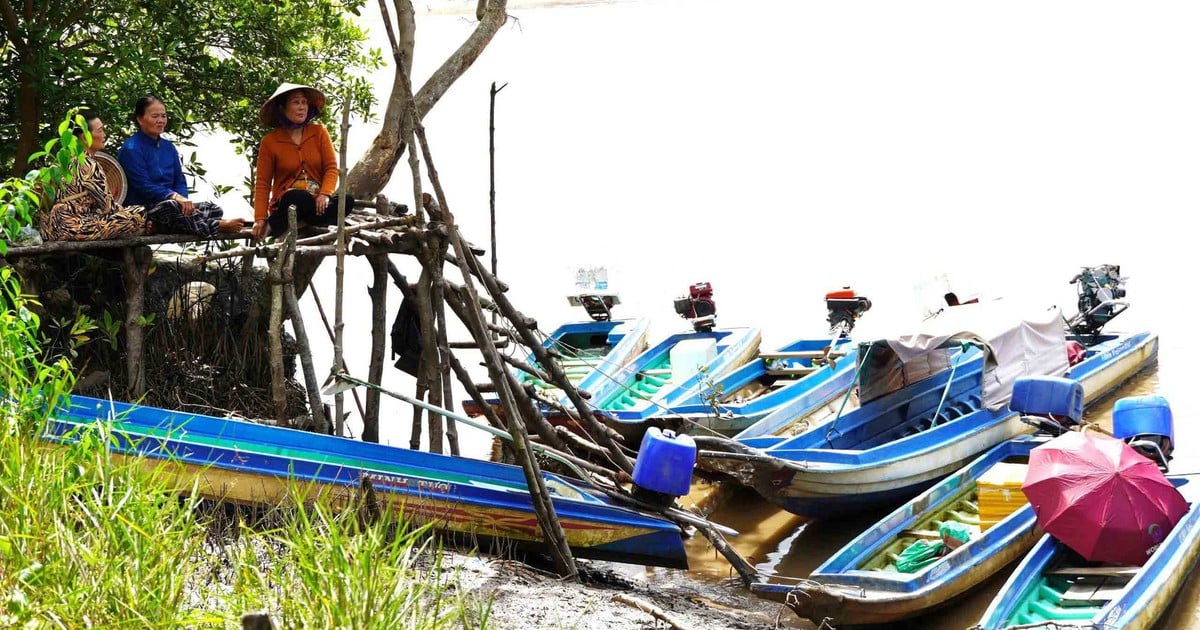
(698,306)
(1145,422)
(663,470)
(1100,289)
(844,308)
(1052,404)
(598,307)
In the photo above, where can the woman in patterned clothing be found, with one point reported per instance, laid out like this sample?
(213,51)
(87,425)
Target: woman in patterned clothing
(84,210)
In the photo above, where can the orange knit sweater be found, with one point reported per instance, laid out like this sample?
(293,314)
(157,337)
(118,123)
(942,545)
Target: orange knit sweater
(280,161)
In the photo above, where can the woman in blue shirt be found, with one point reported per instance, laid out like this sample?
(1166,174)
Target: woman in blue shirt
(155,175)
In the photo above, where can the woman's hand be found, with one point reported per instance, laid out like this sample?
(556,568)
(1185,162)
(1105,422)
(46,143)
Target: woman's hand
(322,203)
(260,229)
(185,205)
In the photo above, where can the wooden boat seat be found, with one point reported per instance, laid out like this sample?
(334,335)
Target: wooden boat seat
(927,534)
(1094,571)
(794,371)
(801,354)
(1093,592)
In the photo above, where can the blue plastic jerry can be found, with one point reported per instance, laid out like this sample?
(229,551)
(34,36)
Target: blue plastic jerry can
(1048,395)
(665,461)
(1142,415)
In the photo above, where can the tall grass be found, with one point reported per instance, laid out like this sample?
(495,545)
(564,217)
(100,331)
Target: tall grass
(91,538)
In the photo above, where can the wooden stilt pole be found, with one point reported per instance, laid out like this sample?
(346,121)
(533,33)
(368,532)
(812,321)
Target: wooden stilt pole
(137,261)
(439,305)
(379,328)
(338,324)
(429,373)
(275,338)
(414,440)
(313,387)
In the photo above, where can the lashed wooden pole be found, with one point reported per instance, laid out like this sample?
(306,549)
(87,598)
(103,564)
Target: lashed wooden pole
(311,384)
(556,538)
(551,365)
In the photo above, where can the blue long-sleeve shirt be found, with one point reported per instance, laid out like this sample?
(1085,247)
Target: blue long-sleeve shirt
(153,169)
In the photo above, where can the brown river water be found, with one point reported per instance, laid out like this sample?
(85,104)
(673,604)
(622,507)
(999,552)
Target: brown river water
(783,149)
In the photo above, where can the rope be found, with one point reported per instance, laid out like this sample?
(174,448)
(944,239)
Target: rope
(950,381)
(849,390)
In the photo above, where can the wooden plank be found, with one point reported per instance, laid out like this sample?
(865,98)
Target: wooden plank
(801,354)
(1086,571)
(796,371)
(927,534)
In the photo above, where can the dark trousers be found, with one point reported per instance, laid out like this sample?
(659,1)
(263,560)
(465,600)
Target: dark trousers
(168,218)
(306,211)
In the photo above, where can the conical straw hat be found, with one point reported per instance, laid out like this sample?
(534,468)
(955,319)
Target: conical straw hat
(315,99)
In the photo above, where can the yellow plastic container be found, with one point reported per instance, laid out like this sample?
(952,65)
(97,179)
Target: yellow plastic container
(1000,493)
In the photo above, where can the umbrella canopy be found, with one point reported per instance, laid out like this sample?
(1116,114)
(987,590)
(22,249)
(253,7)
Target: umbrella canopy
(1101,498)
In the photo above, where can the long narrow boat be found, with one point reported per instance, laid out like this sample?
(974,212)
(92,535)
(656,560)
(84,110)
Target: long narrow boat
(591,353)
(797,379)
(1054,587)
(668,372)
(803,375)
(243,462)
(861,583)
(900,443)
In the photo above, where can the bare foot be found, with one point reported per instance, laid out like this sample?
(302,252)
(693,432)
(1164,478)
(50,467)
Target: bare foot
(231,225)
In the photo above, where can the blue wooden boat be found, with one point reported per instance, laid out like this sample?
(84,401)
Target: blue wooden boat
(795,380)
(591,353)
(861,583)
(1053,586)
(668,372)
(900,442)
(803,375)
(243,462)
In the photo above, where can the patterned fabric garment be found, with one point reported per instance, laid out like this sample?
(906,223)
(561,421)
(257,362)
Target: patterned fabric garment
(168,218)
(85,211)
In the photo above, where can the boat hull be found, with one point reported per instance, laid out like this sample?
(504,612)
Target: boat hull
(844,590)
(241,462)
(821,481)
(797,398)
(1139,603)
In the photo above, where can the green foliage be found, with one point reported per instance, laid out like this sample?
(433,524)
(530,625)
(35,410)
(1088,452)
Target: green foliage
(212,62)
(20,198)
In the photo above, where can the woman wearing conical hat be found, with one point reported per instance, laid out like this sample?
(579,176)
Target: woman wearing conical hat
(296,163)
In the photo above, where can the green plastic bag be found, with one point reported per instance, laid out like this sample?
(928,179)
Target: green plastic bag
(954,533)
(918,555)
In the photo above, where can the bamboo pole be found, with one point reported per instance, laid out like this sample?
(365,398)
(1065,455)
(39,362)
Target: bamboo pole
(340,273)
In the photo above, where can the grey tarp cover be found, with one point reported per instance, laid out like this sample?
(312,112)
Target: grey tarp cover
(1015,342)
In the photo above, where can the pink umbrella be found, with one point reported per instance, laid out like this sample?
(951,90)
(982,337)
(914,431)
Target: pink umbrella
(1101,498)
